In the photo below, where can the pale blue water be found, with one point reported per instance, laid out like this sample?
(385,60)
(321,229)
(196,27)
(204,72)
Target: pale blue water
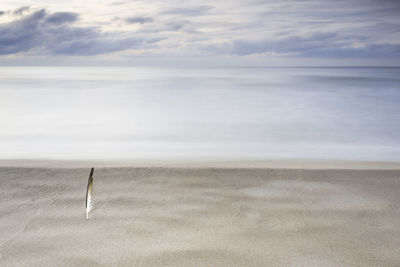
(230,113)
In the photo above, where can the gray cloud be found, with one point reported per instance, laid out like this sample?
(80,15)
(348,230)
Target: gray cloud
(175,26)
(293,44)
(55,34)
(21,10)
(62,17)
(328,45)
(117,3)
(140,20)
(322,45)
(189,11)
(2,12)
(292,28)
(95,46)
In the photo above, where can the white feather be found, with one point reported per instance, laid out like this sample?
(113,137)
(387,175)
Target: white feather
(89,192)
(90,204)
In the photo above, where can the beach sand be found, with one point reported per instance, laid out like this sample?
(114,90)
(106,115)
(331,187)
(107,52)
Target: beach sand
(200,216)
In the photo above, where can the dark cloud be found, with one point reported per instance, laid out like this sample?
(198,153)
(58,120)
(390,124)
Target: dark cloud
(140,20)
(56,34)
(189,11)
(21,10)
(62,17)
(2,12)
(20,35)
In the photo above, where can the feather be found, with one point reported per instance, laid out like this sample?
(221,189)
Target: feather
(89,192)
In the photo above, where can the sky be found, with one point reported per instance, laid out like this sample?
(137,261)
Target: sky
(225,32)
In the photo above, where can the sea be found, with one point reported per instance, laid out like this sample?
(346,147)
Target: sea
(339,113)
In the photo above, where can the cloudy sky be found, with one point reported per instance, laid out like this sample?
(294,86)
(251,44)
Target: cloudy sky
(242,32)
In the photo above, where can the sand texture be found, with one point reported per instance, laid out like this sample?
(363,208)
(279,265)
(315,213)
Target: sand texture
(200,217)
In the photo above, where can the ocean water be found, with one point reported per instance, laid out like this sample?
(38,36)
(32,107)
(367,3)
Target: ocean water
(221,113)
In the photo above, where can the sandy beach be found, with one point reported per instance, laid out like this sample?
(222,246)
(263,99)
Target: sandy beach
(200,133)
(200,216)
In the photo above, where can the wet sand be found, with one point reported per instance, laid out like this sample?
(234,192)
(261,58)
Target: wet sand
(200,216)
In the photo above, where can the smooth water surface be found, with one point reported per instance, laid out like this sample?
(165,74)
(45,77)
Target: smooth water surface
(231,113)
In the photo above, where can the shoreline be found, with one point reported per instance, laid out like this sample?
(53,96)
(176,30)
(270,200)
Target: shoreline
(204,163)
